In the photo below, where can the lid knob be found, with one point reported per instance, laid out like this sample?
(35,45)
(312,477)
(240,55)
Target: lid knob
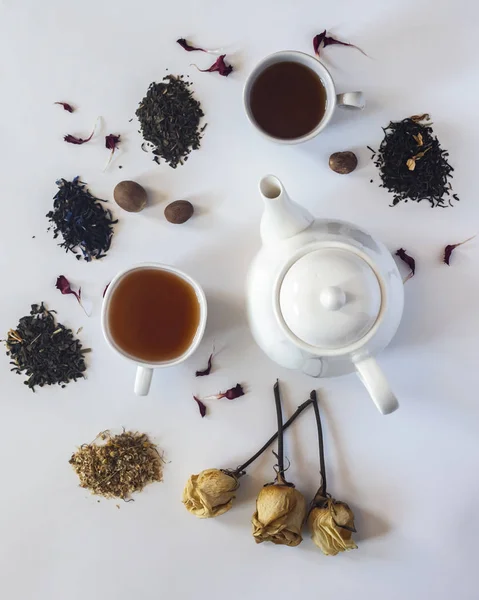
(332,298)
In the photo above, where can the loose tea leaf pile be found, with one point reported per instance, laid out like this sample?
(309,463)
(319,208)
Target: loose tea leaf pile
(170,117)
(81,220)
(117,465)
(412,164)
(44,350)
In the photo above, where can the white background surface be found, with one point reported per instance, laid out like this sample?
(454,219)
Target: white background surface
(411,478)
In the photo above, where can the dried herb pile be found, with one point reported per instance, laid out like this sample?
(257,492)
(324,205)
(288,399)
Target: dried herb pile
(85,226)
(118,465)
(46,351)
(412,164)
(169,117)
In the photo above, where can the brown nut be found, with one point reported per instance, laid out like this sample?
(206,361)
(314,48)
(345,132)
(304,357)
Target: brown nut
(130,196)
(179,211)
(343,162)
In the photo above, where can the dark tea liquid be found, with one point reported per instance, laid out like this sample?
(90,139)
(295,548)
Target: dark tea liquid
(153,315)
(288,100)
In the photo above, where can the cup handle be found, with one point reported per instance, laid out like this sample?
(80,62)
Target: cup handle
(143,380)
(351,100)
(377,385)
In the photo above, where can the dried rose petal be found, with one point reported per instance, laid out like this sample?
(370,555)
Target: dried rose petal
(448,250)
(188,47)
(111,141)
(68,107)
(71,139)
(106,287)
(201,406)
(409,260)
(206,371)
(63,285)
(219,65)
(325,40)
(233,393)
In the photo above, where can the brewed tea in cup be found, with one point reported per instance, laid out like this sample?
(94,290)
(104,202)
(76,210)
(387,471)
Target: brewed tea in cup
(155,315)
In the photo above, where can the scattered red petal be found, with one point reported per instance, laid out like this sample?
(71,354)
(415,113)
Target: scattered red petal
(188,47)
(409,260)
(232,393)
(63,285)
(71,139)
(68,107)
(111,141)
(201,406)
(206,371)
(106,287)
(220,66)
(325,40)
(448,250)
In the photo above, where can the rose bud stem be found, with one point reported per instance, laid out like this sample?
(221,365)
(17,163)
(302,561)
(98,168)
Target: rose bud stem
(321,493)
(241,470)
(279,415)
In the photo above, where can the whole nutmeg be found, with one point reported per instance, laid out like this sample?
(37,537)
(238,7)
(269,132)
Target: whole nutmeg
(130,196)
(179,211)
(343,162)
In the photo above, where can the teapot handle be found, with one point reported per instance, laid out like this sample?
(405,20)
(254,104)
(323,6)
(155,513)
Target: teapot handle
(377,385)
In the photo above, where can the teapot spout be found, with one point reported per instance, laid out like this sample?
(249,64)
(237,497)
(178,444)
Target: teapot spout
(282,218)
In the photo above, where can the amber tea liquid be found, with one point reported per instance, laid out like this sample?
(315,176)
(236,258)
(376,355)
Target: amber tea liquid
(288,100)
(153,315)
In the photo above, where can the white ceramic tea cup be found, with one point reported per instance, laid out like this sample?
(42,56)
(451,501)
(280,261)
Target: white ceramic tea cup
(353,100)
(144,370)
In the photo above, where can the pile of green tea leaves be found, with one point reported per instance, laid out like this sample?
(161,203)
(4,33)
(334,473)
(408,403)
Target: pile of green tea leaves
(46,351)
(115,466)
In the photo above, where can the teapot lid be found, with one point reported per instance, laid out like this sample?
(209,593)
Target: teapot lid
(330,298)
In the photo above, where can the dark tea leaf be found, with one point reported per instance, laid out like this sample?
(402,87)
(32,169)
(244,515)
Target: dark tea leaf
(68,107)
(106,287)
(201,406)
(409,260)
(321,40)
(412,165)
(81,220)
(448,250)
(219,65)
(206,371)
(169,118)
(46,351)
(188,47)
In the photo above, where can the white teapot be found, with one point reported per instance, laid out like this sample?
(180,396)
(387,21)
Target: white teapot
(323,296)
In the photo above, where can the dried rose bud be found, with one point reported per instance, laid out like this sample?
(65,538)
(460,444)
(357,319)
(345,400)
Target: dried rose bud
(279,516)
(332,526)
(210,493)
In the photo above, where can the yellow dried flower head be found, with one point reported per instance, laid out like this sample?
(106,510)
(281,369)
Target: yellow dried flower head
(210,493)
(332,525)
(279,516)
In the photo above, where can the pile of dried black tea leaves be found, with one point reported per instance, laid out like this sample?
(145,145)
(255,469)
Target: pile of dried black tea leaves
(46,351)
(412,164)
(84,224)
(170,117)
(115,466)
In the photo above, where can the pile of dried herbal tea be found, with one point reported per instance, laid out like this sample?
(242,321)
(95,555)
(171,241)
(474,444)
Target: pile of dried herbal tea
(85,226)
(170,117)
(115,466)
(412,164)
(46,351)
